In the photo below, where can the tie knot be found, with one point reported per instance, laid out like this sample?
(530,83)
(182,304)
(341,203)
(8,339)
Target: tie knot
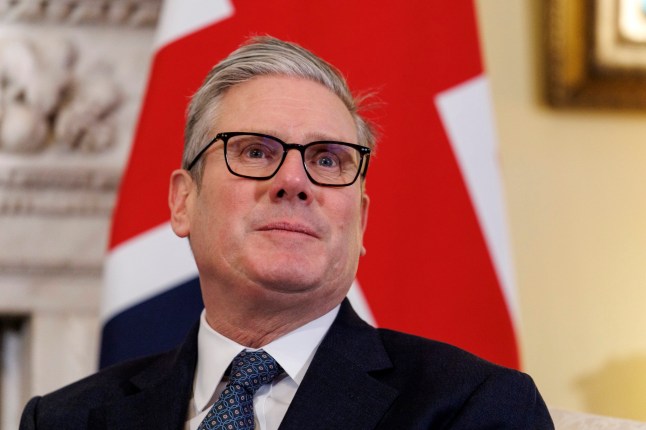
(253,369)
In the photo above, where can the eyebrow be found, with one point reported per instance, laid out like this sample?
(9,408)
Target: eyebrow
(309,137)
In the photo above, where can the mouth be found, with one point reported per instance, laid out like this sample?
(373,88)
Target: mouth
(289,227)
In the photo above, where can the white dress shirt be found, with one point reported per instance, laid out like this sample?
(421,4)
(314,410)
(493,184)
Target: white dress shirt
(293,351)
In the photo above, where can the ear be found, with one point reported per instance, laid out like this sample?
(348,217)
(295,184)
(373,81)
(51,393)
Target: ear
(365,203)
(180,194)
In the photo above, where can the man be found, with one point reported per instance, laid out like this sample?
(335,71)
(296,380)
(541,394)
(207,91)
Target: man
(272,198)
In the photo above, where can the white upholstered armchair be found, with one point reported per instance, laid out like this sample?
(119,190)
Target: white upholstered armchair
(569,420)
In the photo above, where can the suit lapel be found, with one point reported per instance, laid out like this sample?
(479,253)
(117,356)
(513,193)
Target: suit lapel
(163,392)
(338,390)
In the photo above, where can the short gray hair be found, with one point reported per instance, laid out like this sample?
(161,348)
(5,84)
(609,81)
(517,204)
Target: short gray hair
(262,56)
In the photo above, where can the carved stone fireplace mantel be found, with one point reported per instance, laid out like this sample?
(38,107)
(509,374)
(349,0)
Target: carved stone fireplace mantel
(72,75)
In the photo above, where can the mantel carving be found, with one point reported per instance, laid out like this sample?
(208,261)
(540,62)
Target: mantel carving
(44,101)
(135,13)
(69,101)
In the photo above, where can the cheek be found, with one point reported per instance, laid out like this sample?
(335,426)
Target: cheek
(348,221)
(222,217)
(209,213)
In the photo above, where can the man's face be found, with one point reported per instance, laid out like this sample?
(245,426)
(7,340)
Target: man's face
(282,239)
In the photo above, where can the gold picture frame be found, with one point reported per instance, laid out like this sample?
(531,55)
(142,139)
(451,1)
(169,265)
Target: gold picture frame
(595,53)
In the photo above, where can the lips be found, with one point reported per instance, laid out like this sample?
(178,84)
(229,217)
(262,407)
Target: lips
(289,227)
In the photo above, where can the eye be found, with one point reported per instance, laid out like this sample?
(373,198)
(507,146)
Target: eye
(326,160)
(253,149)
(331,157)
(257,151)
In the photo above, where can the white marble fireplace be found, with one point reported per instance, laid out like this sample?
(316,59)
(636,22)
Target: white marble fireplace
(72,75)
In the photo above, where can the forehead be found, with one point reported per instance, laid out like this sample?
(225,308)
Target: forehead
(293,109)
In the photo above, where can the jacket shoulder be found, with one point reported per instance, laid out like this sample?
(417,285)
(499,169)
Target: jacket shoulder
(435,356)
(72,404)
(457,388)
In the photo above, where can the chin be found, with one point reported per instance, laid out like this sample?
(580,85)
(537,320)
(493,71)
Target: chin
(288,267)
(288,282)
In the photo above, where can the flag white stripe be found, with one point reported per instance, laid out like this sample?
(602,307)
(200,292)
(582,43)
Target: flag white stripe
(360,304)
(468,120)
(145,266)
(181,17)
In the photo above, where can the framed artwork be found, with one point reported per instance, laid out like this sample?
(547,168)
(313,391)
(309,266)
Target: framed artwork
(595,53)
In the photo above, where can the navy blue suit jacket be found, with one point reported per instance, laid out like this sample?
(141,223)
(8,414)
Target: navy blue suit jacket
(360,378)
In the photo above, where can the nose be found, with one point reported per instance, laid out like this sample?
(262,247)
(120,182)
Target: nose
(291,181)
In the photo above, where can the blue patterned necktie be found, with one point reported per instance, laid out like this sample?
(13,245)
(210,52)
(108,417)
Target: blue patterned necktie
(250,370)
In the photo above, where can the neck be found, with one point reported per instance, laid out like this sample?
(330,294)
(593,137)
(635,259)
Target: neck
(255,327)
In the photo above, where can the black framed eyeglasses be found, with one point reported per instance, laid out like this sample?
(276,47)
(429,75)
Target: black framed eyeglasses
(260,156)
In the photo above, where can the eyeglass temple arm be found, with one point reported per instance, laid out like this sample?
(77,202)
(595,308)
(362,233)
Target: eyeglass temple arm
(202,151)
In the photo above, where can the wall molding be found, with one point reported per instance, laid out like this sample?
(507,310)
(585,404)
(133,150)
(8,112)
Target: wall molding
(132,13)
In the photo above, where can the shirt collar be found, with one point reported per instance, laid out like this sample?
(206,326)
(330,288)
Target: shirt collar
(293,351)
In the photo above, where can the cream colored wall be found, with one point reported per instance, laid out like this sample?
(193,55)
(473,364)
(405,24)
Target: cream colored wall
(575,184)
